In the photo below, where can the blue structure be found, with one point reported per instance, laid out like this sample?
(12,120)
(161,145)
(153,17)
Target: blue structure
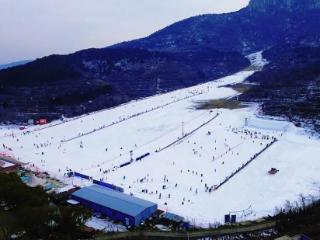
(116,205)
(81,175)
(108,185)
(227,218)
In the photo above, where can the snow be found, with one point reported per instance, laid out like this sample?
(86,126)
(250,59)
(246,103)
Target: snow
(269,124)
(105,225)
(72,202)
(4,164)
(257,60)
(64,189)
(97,144)
(162,228)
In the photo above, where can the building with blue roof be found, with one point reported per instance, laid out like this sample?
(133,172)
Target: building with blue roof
(117,205)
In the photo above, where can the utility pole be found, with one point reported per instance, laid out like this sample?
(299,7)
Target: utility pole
(131,154)
(182,125)
(246,122)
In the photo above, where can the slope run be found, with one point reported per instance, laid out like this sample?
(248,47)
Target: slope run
(117,140)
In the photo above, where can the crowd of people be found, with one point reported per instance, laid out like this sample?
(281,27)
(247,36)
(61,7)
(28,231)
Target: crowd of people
(167,188)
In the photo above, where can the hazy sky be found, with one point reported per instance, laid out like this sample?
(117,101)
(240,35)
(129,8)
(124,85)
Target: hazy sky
(35,28)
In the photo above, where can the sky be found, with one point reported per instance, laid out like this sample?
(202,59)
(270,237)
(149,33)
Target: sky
(31,29)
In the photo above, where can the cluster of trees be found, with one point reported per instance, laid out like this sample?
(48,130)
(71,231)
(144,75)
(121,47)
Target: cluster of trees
(299,217)
(289,85)
(29,213)
(95,79)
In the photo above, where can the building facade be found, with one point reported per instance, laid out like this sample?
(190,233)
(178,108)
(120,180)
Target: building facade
(118,206)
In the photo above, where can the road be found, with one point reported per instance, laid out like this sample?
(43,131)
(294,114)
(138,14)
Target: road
(190,235)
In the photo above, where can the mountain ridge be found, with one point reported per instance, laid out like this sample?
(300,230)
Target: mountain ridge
(271,24)
(14,64)
(291,5)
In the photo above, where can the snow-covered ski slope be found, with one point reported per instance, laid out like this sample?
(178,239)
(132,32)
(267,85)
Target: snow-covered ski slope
(180,178)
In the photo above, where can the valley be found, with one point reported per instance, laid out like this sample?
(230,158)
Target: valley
(162,149)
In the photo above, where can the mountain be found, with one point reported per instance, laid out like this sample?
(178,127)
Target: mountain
(189,52)
(263,24)
(285,5)
(94,79)
(289,86)
(14,64)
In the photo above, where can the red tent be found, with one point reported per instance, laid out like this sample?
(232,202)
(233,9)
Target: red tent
(42,121)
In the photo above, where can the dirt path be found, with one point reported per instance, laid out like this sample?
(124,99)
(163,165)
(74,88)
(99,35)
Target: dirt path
(190,235)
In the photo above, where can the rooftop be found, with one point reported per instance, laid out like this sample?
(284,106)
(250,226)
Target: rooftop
(4,164)
(118,201)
